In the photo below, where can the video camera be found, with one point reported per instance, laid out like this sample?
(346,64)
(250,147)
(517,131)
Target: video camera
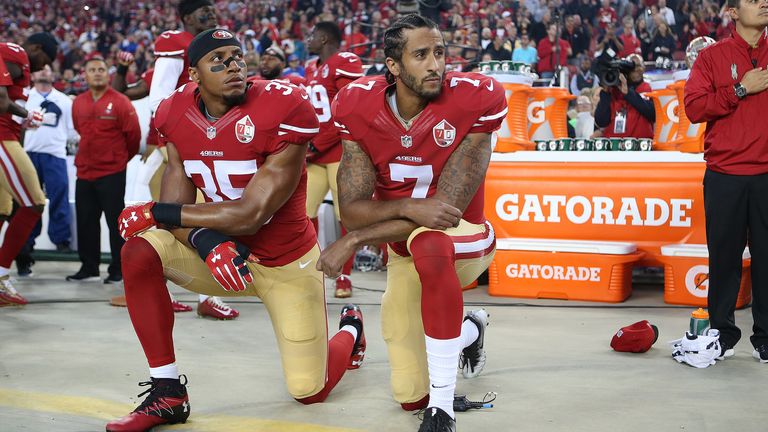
(607,67)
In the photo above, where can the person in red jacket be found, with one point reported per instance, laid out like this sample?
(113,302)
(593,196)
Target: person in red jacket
(726,89)
(110,135)
(548,52)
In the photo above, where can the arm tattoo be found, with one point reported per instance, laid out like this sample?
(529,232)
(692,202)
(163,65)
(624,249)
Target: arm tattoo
(357,176)
(465,170)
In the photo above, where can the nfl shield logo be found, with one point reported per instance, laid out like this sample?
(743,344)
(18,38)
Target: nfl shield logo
(244,130)
(210,132)
(444,133)
(406,141)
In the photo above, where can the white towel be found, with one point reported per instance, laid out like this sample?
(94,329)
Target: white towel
(698,351)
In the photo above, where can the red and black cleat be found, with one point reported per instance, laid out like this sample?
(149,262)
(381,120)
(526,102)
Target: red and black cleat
(352,315)
(167,403)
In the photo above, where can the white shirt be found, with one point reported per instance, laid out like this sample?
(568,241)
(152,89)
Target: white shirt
(51,137)
(668,15)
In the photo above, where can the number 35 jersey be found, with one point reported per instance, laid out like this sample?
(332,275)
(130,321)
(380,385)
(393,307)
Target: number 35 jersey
(409,161)
(221,157)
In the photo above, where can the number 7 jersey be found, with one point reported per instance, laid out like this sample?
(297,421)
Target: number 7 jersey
(409,161)
(221,157)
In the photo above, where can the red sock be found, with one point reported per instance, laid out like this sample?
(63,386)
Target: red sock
(315,224)
(149,303)
(339,349)
(419,404)
(347,269)
(19,228)
(441,295)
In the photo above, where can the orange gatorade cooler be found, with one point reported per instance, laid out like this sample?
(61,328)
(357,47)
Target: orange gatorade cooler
(686,275)
(513,134)
(690,136)
(548,113)
(562,269)
(666,104)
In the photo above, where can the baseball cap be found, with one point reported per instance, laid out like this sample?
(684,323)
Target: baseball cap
(637,338)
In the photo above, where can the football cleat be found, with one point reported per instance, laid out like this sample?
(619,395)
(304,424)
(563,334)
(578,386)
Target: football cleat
(181,307)
(472,358)
(8,294)
(352,315)
(214,308)
(437,420)
(343,287)
(166,403)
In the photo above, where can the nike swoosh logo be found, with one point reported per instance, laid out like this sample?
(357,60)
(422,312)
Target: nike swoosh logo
(302,265)
(6,74)
(490,86)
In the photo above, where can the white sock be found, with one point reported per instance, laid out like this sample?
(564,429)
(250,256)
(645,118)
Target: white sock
(442,358)
(4,271)
(202,297)
(167,371)
(350,329)
(469,333)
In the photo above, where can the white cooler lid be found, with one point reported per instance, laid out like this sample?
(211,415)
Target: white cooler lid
(513,78)
(659,85)
(681,75)
(576,246)
(693,250)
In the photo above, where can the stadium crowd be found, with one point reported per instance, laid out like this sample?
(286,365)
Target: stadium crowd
(475,30)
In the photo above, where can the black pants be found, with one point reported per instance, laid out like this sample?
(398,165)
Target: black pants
(736,209)
(92,197)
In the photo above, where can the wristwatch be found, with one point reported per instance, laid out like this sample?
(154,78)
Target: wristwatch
(741,92)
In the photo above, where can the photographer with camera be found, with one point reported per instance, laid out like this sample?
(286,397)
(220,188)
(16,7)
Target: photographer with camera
(622,110)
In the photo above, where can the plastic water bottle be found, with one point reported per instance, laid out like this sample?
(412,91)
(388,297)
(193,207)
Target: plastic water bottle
(699,322)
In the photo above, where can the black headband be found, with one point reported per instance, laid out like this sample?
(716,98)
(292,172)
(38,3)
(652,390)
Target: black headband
(208,41)
(187,7)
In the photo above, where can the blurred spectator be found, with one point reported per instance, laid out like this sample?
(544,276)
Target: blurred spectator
(609,40)
(666,13)
(553,52)
(294,67)
(525,53)
(355,41)
(663,44)
(497,50)
(250,43)
(110,135)
(585,120)
(630,42)
(645,37)
(583,78)
(606,15)
(577,35)
(378,67)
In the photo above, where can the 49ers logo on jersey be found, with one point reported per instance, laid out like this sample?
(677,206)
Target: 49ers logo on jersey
(244,130)
(444,133)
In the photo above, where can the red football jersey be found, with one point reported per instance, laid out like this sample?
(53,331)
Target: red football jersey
(5,76)
(147,76)
(174,43)
(221,157)
(323,82)
(409,162)
(18,91)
